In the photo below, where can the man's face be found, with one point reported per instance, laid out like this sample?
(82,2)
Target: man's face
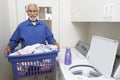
(32,12)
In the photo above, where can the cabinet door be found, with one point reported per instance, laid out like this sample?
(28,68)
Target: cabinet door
(95,10)
(115,11)
(79,10)
(112,10)
(88,10)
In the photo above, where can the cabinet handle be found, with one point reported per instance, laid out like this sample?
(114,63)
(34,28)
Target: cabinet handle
(111,7)
(108,11)
(106,7)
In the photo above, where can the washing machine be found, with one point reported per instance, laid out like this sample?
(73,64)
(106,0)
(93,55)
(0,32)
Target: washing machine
(101,56)
(86,72)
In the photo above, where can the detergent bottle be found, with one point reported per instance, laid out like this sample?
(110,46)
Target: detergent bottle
(68,57)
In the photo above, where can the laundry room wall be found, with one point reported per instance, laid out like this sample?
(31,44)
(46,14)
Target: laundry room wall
(5,69)
(70,32)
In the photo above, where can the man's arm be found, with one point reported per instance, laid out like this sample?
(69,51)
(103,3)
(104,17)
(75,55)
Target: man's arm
(13,42)
(7,49)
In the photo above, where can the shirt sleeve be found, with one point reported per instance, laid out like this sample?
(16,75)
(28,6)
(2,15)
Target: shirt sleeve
(15,39)
(49,36)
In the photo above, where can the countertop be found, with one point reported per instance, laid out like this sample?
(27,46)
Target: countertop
(77,59)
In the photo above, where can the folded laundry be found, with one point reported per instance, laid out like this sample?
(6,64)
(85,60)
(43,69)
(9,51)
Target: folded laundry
(36,48)
(45,48)
(26,50)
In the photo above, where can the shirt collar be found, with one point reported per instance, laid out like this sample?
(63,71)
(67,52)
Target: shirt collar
(29,22)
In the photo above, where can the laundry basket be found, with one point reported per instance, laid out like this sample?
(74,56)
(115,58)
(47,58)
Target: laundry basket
(33,64)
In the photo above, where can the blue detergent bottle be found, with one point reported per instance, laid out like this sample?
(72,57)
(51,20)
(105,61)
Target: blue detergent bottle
(68,60)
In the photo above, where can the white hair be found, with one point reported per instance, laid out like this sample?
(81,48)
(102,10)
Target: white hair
(32,4)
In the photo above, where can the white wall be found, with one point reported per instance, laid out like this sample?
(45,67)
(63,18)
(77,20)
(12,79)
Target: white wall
(5,69)
(106,29)
(70,32)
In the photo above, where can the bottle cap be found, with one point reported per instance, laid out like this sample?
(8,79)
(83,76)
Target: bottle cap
(68,46)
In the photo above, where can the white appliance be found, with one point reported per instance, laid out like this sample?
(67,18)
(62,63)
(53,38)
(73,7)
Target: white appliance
(102,54)
(97,65)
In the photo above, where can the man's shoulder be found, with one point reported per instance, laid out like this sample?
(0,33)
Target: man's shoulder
(42,23)
(24,23)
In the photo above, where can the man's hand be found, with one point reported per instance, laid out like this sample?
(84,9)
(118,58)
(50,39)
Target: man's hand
(7,50)
(56,44)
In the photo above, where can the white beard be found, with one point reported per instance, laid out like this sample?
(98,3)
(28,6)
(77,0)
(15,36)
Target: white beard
(32,19)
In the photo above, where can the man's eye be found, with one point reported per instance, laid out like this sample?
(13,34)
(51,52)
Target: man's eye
(29,11)
(32,10)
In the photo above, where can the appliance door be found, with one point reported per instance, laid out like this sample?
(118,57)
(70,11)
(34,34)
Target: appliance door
(102,54)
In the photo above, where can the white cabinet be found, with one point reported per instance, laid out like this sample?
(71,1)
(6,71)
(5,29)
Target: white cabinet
(95,10)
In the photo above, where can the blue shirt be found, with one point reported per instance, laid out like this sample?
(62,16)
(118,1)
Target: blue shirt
(28,34)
